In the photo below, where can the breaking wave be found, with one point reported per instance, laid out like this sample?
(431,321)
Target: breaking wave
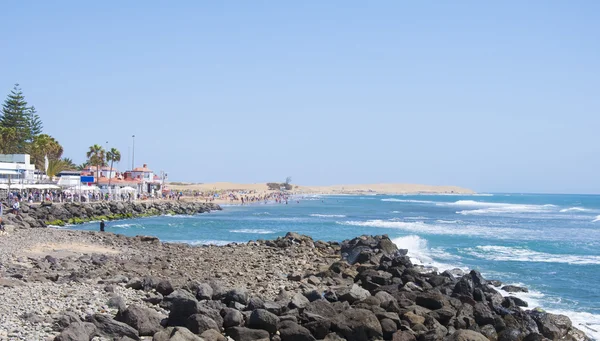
(516,254)
(328,215)
(252,231)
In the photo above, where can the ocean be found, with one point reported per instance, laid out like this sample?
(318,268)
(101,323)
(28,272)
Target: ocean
(548,243)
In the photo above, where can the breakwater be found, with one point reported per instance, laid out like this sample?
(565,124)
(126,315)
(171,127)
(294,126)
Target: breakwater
(60,214)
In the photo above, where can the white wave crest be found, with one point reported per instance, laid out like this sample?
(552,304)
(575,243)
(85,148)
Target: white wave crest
(409,200)
(328,215)
(597,219)
(483,207)
(202,242)
(420,253)
(440,221)
(261,213)
(515,254)
(573,209)
(127,226)
(253,231)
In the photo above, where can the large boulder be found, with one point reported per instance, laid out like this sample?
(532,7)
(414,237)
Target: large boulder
(145,320)
(550,325)
(77,331)
(199,323)
(467,335)
(232,318)
(357,325)
(239,295)
(246,334)
(291,331)
(482,314)
(110,328)
(183,304)
(356,293)
(430,300)
(262,319)
(176,334)
(403,336)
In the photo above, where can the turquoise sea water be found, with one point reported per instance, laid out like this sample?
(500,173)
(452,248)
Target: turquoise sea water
(549,243)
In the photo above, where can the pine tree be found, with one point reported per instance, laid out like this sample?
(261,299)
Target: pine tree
(15,115)
(35,123)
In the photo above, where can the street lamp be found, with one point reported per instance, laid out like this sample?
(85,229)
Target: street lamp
(133,153)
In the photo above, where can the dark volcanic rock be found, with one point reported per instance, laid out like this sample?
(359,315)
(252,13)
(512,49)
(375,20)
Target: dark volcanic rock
(357,325)
(291,331)
(467,335)
(111,328)
(246,334)
(183,305)
(199,323)
(514,288)
(77,331)
(176,334)
(262,319)
(146,321)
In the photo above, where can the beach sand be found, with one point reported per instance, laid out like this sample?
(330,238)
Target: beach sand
(260,189)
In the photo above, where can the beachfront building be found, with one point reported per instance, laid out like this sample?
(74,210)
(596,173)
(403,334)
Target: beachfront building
(149,183)
(105,172)
(16,169)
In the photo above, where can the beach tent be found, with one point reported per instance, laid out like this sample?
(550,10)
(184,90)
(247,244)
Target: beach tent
(3,186)
(128,189)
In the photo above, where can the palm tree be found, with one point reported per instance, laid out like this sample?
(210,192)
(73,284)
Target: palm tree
(69,163)
(55,167)
(96,157)
(82,166)
(112,156)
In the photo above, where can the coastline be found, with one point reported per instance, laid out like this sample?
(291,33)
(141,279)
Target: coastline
(392,298)
(60,214)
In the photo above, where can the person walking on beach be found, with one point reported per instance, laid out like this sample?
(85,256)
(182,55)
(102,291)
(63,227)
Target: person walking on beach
(16,207)
(102,225)
(1,222)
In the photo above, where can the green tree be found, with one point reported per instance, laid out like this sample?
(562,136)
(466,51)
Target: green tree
(69,163)
(83,166)
(112,155)
(35,123)
(44,145)
(96,156)
(55,167)
(15,115)
(8,137)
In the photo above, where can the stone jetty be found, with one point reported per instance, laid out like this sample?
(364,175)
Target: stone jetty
(289,289)
(60,214)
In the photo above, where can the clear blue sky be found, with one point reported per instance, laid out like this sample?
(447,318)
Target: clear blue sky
(494,97)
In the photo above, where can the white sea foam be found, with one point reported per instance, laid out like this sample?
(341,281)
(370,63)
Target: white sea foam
(420,253)
(261,213)
(253,231)
(515,254)
(395,211)
(415,218)
(482,207)
(597,219)
(573,209)
(452,229)
(328,215)
(440,221)
(202,242)
(127,225)
(409,200)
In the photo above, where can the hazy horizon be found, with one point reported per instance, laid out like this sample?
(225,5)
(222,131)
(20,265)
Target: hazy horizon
(491,97)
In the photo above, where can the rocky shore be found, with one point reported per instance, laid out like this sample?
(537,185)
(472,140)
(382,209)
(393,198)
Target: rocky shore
(75,285)
(60,214)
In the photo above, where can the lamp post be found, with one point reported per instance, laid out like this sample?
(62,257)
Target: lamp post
(133,153)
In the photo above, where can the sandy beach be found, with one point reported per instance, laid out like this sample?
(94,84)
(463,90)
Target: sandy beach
(261,190)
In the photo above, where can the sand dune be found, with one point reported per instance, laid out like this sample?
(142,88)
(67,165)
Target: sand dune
(334,189)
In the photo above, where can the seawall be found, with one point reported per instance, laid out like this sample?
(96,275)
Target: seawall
(42,215)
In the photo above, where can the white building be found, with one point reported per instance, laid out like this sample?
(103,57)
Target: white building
(17,169)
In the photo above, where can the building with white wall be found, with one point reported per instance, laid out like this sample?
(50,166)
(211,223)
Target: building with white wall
(16,168)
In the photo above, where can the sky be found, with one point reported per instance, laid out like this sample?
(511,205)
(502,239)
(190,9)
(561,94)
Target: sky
(496,97)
